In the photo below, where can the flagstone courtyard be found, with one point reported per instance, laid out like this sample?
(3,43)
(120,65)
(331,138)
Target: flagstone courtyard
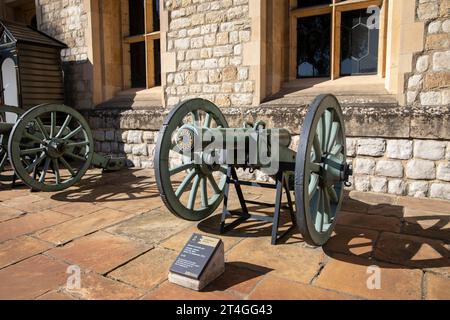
(115,228)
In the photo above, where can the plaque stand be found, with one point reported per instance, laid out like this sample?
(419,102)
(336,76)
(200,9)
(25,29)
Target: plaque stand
(213,268)
(282,182)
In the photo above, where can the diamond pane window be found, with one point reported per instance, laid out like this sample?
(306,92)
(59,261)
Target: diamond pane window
(314,44)
(359,43)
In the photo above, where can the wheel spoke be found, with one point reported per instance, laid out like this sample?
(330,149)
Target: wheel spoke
(326,211)
(337,149)
(319,133)
(204,190)
(208,120)
(42,128)
(33,138)
(68,166)
(319,215)
(313,184)
(213,184)
(73,133)
(182,187)
(31,151)
(78,144)
(193,193)
(317,148)
(332,193)
(64,126)
(52,124)
(327,118)
(44,170)
(56,169)
(181,168)
(334,131)
(314,167)
(74,156)
(35,163)
(196,118)
(4,157)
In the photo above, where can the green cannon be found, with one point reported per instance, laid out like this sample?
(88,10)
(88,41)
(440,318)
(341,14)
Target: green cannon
(197,156)
(49,147)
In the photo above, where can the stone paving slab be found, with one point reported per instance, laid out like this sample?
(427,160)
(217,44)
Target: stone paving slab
(117,230)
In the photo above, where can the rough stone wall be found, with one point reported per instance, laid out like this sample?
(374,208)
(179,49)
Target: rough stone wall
(429,84)
(67,21)
(207,37)
(417,168)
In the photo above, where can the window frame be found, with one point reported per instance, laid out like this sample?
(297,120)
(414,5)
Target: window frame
(149,37)
(336,8)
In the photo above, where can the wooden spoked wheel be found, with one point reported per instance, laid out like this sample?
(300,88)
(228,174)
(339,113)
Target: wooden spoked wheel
(51,147)
(8,116)
(189,189)
(321,170)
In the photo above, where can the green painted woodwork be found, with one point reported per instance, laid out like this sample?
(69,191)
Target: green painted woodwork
(321,170)
(190,191)
(51,147)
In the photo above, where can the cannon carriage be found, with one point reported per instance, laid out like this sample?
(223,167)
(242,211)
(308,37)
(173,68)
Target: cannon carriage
(197,156)
(49,147)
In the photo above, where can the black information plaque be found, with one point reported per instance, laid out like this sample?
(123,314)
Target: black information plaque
(195,256)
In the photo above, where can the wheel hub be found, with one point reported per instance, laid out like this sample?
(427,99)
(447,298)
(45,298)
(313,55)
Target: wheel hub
(55,148)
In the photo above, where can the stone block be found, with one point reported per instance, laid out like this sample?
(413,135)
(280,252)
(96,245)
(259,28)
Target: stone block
(421,170)
(440,191)
(441,61)
(351,147)
(140,150)
(397,187)
(415,82)
(378,184)
(362,183)
(371,147)
(399,149)
(418,189)
(423,63)
(364,166)
(432,98)
(389,168)
(99,135)
(110,135)
(134,136)
(429,149)
(443,171)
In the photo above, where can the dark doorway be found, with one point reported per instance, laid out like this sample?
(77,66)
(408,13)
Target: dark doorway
(138,66)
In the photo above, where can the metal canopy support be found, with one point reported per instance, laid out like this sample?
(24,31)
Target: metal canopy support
(282,181)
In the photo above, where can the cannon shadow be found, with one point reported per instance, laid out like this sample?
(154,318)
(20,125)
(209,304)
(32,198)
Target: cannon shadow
(117,186)
(386,233)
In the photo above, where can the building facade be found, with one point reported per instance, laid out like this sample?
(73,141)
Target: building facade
(388,61)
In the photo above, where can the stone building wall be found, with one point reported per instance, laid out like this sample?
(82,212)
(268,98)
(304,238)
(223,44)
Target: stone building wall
(429,83)
(403,150)
(207,38)
(417,168)
(67,21)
